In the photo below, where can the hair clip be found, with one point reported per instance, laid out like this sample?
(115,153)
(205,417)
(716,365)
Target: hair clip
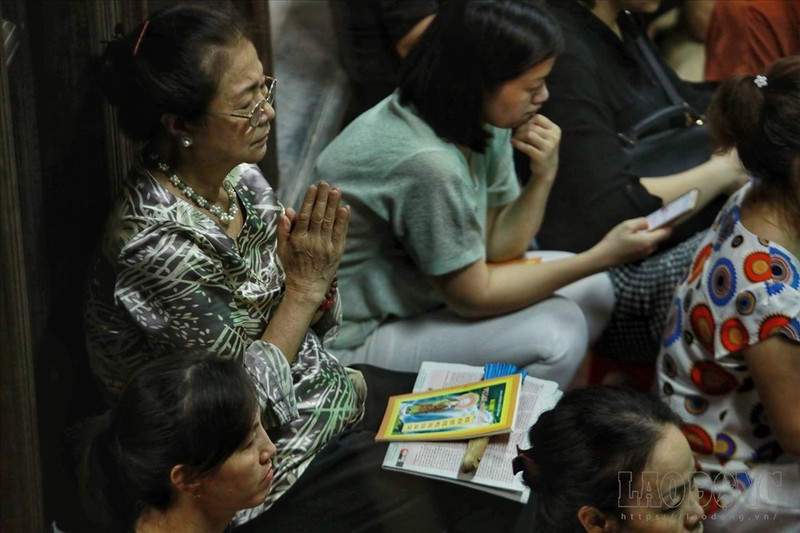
(141,36)
(760,81)
(523,463)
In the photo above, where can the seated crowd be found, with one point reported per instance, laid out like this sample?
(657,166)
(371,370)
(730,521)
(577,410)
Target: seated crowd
(247,350)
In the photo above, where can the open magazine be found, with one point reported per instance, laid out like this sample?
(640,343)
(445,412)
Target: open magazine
(475,409)
(442,460)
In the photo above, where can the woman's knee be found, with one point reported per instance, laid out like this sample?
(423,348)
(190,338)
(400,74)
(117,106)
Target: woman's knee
(561,339)
(595,296)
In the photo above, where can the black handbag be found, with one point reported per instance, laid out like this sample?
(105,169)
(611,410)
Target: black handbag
(654,150)
(669,151)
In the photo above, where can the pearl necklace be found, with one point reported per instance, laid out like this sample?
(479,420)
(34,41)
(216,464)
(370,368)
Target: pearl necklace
(200,201)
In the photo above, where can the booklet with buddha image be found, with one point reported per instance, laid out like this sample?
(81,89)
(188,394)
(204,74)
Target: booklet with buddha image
(477,409)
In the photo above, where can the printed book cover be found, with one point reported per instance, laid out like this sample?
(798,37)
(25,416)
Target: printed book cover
(476,409)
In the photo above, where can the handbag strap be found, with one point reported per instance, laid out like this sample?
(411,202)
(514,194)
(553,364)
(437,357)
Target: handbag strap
(679,105)
(643,44)
(632,135)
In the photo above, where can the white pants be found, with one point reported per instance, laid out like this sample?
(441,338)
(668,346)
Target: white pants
(771,504)
(548,339)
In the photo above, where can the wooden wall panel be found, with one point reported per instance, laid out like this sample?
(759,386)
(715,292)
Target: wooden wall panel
(21,507)
(21,502)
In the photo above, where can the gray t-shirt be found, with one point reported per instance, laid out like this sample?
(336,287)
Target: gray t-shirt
(418,209)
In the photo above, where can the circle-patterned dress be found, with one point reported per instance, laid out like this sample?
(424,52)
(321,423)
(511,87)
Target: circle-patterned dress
(739,290)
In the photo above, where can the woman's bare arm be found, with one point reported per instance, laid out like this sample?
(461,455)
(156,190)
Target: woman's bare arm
(775,366)
(480,290)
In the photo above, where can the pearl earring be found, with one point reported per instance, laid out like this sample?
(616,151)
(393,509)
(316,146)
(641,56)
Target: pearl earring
(186,142)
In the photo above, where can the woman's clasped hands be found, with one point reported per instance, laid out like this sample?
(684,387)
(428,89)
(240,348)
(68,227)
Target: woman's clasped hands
(311,242)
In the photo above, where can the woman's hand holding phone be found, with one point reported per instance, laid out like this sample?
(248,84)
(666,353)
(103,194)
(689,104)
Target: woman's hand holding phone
(628,241)
(672,211)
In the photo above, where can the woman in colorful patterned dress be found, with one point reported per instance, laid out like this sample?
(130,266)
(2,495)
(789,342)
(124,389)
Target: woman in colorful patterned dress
(730,361)
(198,253)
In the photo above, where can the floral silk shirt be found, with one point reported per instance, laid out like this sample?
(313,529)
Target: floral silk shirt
(169,280)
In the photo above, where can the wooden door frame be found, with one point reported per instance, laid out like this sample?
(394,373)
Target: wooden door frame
(26,307)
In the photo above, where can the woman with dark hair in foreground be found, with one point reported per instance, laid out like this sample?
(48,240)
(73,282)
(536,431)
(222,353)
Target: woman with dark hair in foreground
(609,460)
(182,450)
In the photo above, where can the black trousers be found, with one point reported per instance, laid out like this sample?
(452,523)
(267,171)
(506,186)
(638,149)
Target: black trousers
(345,489)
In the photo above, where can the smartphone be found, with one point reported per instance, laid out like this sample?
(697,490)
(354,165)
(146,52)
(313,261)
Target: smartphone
(669,213)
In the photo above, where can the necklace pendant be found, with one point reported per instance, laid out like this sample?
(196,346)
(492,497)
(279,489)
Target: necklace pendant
(225,218)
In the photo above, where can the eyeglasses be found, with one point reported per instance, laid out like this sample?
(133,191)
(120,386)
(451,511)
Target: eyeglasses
(254,116)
